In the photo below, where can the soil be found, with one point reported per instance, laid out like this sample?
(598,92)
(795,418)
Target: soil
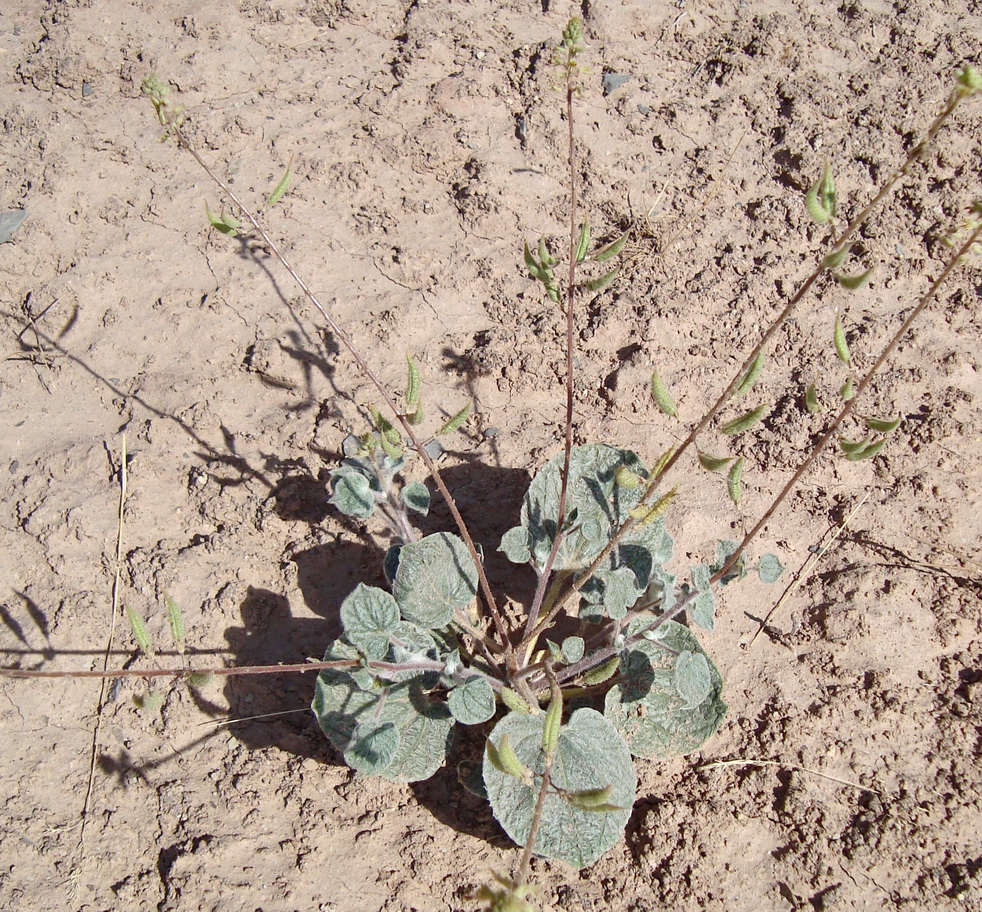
(426,145)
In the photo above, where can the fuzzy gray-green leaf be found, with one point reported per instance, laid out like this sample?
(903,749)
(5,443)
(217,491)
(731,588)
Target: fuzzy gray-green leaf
(436,575)
(646,707)
(416,497)
(352,494)
(612,249)
(693,680)
(368,614)
(472,702)
(140,632)
(424,726)
(176,621)
(745,421)
(769,568)
(589,756)
(10,222)
(573,648)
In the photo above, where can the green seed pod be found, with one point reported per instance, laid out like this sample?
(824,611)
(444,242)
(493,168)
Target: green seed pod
(604,280)
(412,384)
(140,632)
(884,425)
(625,478)
(970,79)
(602,672)
(850,447)
(820,200)
(745,421)
(811,399)
(839,339)
(836,258)
(750,377)
(583,241)
(868,452)
(644,515)
(590,798)
(612,249)
(661,395)
(714,463)
(855,281)
(733,479)
(847,391)
(457,420)
(554,718)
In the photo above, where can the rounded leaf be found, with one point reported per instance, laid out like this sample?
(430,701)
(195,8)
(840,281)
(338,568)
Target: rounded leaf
(647,708)
(368,614)
(472,702)
(590,755)
(353,719)
(435,577)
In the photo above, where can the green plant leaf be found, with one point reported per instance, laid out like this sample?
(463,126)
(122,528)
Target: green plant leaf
(373,746)
(847,391)
(836,258)
(435,576)
(602,672)
(368,615)
(646,708)
(600,507)
(413,384)
(590,756)
(693,680)
(416,497)
(352,493)
(769,568)
(423,725)
(573,649)
(866,452)
(724,551)
(703,607)
(472,702)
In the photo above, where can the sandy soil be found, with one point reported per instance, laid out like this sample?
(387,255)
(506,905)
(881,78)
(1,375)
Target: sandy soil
(427,145)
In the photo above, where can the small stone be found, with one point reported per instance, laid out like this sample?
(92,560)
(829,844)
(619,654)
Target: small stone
(87,89)
(611,82)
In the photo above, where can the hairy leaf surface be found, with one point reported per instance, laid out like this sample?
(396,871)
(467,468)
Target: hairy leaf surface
(435,576)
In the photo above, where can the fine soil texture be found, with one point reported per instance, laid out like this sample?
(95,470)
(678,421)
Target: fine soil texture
(427,144)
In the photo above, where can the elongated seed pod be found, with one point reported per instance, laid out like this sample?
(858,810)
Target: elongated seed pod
(602,672)
(457,420)
(839,339)
(733,479)
(745,421)
(750,377)
(554,718)
(412,384)
(514,702)
(811,399)
(583,241)
(855,281)
(714,463)
(662,397)
(868,452)
(884,425)
(612,249)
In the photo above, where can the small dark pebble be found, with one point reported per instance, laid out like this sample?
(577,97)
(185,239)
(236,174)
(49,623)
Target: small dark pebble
(613,81)
(491,432)
(14,465)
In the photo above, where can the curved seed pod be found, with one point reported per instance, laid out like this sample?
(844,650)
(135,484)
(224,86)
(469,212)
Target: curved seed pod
(855,281)
(554,717)
(589,798)
(868,452)
(884,425)
(644,515)
(714,463)
(604,280)
(846,391)
(612,249)
(662,462)
(140,632)
(750,377)
(514,702)
(839,338)
(854,446)
(583,241)
(602,672)
(280,189)
(820,200)
(745,421)
(661,395)
(811,399)
(836,258)
(457,420)
(733,479)
(535,270)
(176,620)
(545,257)
(625,478)
(504,759)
